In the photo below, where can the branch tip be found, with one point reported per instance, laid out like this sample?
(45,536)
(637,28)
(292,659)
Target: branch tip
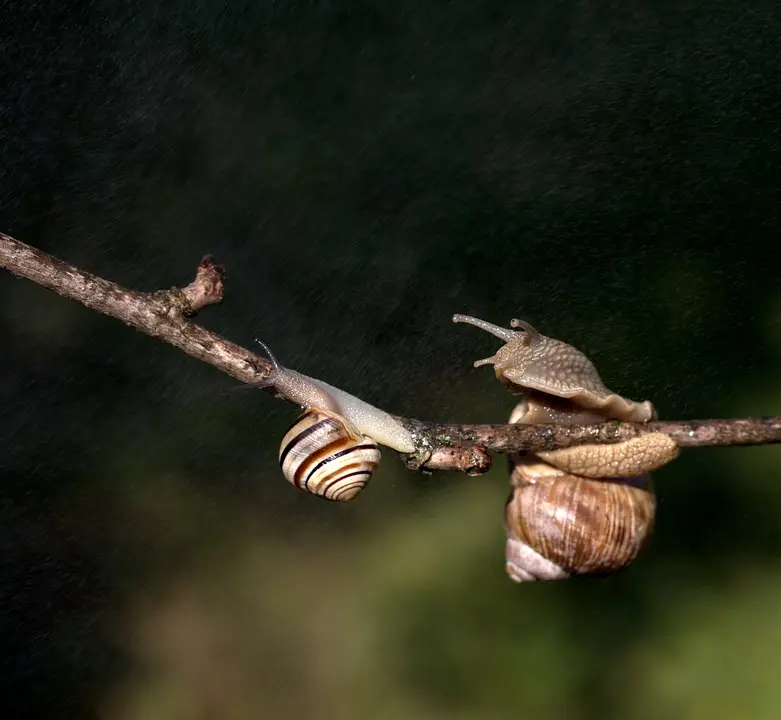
(207,288)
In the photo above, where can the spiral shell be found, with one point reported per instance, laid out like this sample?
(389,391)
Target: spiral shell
(559,524)
(323,454)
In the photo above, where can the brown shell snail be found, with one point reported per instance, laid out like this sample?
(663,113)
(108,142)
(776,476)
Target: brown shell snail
(332,449)
(584,510)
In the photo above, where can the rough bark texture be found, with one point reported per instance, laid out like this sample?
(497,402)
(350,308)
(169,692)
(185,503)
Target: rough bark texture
(167,314)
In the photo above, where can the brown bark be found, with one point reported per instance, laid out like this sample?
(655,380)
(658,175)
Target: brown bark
(167,315)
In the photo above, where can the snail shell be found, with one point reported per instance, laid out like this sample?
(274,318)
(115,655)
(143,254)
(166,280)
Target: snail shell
(324,455)
(559,524)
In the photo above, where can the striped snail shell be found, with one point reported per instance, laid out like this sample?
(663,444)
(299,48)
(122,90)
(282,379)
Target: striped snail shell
(583,510)
(324,454)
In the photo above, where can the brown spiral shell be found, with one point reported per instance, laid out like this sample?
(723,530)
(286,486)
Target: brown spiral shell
(324,455)
(559,524)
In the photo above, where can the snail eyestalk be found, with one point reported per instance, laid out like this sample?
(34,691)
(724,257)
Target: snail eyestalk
(502,333)
(534,336)
(270,355)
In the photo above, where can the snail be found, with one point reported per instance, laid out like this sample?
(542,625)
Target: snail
(332,449)
(584,510)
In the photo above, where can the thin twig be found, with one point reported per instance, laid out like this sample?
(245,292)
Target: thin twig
(167,314)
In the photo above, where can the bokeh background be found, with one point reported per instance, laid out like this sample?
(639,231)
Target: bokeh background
(607,171)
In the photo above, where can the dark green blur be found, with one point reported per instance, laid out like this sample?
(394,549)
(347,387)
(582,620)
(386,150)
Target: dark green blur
(608,172)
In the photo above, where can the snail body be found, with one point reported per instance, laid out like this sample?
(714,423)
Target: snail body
(332,449)
(584,510)
(530,360)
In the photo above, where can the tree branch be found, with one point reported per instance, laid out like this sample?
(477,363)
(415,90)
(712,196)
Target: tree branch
(167,314)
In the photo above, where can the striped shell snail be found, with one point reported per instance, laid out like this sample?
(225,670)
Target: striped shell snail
(584,510)
(323,454)
(332,448)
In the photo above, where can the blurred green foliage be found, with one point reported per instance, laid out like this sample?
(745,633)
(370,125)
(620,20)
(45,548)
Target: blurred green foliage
(609,173)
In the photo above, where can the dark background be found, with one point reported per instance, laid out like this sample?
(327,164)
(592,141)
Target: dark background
(606,171)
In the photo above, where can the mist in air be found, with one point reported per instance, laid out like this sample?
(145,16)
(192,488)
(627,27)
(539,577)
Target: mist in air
(364,171)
